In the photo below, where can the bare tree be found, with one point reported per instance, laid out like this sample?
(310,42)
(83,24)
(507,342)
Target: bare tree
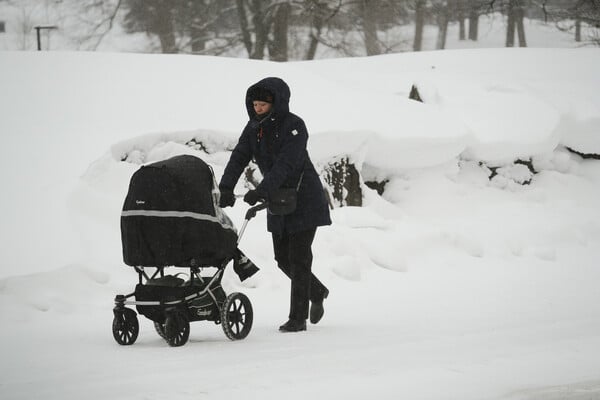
(573,15)
(460,9)
(97,18)
(25,20)
(474,13)
(207,27)
(255,22)
(342,21)
(318,13)
(199,27)
(369,26)
(588,12)
(155,17)
(515,13)
(419,24)
(25,24)
(441,10)
(278,47)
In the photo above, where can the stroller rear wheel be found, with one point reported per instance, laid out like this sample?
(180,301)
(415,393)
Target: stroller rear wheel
(177,329)
(125,326)
(236,316)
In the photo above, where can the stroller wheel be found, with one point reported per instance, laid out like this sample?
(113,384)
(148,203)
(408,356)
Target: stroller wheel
(125,326)
(160,329)
(177,329)
(236,316)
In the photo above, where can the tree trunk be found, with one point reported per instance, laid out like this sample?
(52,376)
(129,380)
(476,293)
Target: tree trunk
(510,24)
(473,24)
(443,19)
(198,45)
(256,48)
(197,36)
(459,9)
(260,43)
(370,27)
(165,30)
(261,31)
(246,37)
(419,25)
(279,48)
(516,16)
(315,34)
(578,29)
(314,42)
(520,17)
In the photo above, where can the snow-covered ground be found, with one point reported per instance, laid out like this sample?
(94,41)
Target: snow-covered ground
(449,286)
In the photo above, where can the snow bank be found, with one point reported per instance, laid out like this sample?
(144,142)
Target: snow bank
(496,103)
(511,102)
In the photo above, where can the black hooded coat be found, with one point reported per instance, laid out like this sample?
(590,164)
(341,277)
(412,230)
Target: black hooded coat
(277,143)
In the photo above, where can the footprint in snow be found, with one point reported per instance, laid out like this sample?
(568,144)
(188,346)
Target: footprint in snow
(392,264)
(472,247)
(545,253)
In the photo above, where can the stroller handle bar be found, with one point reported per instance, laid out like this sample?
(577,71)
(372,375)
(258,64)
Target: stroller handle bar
(251,213)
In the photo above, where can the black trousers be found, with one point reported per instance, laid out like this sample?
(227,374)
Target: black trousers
(294,257)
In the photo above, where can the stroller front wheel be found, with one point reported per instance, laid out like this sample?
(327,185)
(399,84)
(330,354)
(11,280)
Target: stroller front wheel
(236,316)
(177,329)
(125,326)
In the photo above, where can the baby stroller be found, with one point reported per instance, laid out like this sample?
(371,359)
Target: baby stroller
(171,218)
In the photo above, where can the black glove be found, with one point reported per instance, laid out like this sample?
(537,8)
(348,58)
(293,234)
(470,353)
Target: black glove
(227,198)
(252,197)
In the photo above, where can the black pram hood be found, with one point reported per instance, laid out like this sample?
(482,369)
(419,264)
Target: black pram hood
(170,216)
(281,96)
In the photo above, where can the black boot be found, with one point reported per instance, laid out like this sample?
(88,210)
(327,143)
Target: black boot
(293,326)
(317,310)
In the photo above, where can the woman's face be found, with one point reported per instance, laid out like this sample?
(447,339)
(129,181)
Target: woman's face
(261,107)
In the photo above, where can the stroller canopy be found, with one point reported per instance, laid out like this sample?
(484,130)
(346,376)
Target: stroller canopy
(171,216)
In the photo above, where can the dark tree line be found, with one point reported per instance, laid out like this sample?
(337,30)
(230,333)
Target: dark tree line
(275,29)
(183,25)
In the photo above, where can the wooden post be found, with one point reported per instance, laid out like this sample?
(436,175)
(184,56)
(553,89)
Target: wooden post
(38,29)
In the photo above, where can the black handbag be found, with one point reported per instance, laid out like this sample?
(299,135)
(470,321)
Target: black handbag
(283,201)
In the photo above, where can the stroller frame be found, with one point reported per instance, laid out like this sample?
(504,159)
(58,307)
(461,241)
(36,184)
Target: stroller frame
(172,303)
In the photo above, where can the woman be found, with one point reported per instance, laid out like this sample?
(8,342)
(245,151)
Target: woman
(276,140)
